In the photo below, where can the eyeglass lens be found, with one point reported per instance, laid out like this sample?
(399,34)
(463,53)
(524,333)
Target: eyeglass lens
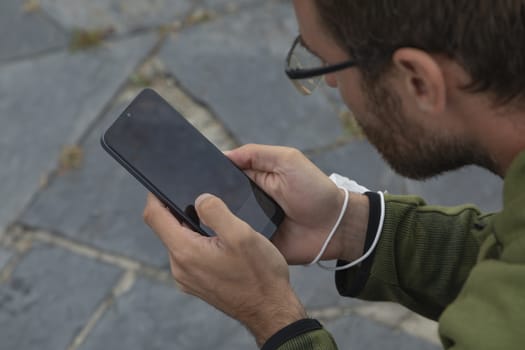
(302,58)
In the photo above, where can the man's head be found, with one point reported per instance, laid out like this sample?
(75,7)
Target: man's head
(423,68)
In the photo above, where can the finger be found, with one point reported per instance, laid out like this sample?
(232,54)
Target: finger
(164,224)
(259,157)
(251,174)
(214,213)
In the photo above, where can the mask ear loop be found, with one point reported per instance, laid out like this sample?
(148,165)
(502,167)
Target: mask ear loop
(368,252)
(334,229)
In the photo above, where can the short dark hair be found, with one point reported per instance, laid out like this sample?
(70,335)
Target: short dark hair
(486,37)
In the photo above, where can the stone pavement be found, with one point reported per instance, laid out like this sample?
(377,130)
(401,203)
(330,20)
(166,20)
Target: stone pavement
(78,268)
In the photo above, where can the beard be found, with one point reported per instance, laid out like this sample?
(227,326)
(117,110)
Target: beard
(409,148)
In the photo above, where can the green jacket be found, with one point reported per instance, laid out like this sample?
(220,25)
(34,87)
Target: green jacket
(455,265)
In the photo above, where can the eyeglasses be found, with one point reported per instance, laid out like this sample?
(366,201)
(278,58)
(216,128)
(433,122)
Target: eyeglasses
(306,70)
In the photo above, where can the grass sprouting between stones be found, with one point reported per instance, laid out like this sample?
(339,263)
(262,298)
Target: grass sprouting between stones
(83,39)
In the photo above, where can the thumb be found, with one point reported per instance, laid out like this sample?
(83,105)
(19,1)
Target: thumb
(214,213)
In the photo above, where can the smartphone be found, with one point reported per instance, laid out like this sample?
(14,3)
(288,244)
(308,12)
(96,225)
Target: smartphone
(176,163)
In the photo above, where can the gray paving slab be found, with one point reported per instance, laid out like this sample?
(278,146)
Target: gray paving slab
(122,16)
(358,333)
(99,204)
(48,103)
(316,288)
(153,316)
(359,161)
(24,33)
(235,65)
(467,185)
(5,256)
(50,297)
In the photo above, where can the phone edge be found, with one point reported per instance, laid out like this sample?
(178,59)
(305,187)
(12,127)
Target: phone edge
(175,211)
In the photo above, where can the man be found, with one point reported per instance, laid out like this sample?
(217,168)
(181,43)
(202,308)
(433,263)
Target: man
(435,85)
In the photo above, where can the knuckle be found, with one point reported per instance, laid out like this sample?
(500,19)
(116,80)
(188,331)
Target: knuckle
(177,274)
(147,215)
(184,259)
(181,280)
(292,153)
(181,265)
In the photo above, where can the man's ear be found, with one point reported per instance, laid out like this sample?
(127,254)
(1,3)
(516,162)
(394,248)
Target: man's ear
(422,77)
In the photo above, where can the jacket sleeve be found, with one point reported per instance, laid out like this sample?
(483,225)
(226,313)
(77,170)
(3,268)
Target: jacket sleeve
(315,340)
(423,257)
(306,334)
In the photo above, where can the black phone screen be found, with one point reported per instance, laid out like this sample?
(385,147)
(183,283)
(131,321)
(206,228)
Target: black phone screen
(177,163)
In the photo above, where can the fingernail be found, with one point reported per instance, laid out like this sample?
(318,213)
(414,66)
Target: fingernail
(201,198)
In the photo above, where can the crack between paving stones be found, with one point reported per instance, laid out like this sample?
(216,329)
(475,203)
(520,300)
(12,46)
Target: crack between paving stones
(7,271)
(123,285)
(91,252)
(9,268)
(203,104)
(430,338)
(19,246)
(332,313)
(405,317)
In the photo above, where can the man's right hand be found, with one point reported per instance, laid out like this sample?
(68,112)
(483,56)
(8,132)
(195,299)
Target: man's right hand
(311,201)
